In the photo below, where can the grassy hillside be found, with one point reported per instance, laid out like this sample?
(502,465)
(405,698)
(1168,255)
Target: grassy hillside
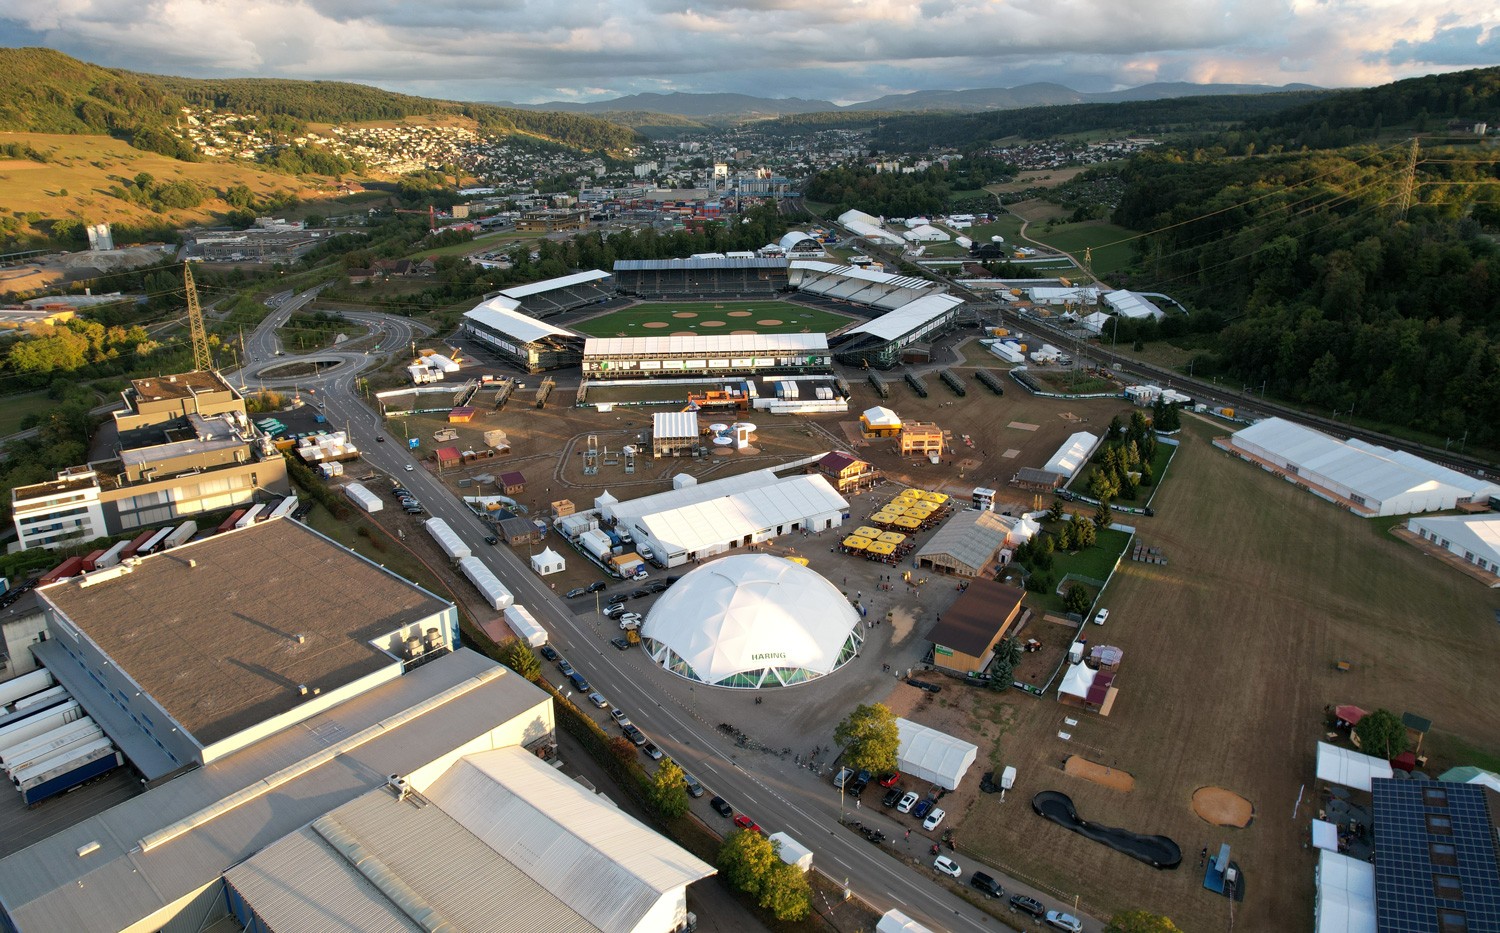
(76,179)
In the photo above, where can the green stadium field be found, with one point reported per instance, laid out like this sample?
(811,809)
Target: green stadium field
(729,316)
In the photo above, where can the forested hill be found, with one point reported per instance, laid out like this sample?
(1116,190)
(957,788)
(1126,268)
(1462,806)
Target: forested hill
(48,92)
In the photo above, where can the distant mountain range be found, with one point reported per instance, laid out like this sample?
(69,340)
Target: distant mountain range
(743,106)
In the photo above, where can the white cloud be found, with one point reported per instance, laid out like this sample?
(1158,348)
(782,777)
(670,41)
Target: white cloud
(855,49)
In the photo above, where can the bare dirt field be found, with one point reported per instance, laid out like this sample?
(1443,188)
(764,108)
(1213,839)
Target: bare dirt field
(1038,178)
(1228,666)
(1037,211)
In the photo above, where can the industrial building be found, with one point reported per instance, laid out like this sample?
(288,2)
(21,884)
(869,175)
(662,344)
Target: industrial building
(701,520)
(521,339)
(751,621)
(970,543)
(552,220)
(316,749)
(1366,479)
(184,445)
(704,356)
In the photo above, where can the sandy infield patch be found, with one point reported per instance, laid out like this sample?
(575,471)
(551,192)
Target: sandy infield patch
(1099,774)
(1222,807)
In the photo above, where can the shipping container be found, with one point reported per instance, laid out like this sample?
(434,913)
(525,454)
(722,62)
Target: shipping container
(66,738)
(112,556)
(494,592)
(525,625)
(134,546)
(363,497)
(287,507)
(182,535)
(25,685)
(229,522)
(90,562)
(90,762)
(251,516)
(447,539)
(30,723)
(49,697)
(156,541)
(71,567)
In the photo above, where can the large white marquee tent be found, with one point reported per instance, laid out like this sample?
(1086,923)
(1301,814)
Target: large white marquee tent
(929,755)
(752,620)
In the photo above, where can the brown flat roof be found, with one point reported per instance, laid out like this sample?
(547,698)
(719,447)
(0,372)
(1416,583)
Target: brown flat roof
(178,385)
(216,644)
(980,613)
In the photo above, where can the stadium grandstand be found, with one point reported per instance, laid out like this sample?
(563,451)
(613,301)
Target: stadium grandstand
(565,293)
(737,277)
(718,356)
(520,339)
(880,342)
(879,290)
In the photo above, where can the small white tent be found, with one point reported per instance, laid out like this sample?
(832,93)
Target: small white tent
(548,562)
(929,755)
(894,921)
(1349,768)
(793,852)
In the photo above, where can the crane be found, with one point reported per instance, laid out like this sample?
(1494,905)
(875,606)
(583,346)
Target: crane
(431,213)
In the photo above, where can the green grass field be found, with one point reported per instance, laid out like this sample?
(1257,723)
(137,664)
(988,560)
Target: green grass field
(1074,238)
(730,316)
(16,408)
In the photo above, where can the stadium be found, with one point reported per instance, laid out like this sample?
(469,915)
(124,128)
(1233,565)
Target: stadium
(864,317)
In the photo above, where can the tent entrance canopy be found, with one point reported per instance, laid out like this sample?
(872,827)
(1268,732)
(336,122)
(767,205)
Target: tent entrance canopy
(929,755)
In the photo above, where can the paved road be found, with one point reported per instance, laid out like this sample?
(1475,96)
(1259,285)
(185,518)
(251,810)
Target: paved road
(779,796)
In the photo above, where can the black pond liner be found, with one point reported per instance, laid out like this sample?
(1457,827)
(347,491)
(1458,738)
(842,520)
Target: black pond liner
(1156,851)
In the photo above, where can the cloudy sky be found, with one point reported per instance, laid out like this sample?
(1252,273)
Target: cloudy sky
(845,50)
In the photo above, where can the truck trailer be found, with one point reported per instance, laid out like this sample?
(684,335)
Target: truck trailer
(54,776)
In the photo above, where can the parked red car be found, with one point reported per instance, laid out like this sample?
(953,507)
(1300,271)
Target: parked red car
(889,780)
(744,822)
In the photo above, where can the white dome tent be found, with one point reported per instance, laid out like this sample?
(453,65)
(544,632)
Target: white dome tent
(750,621)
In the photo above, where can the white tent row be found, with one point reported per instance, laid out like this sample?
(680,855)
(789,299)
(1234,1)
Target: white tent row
(1073,453)
(1349,768)
(1346,894)
(929,755)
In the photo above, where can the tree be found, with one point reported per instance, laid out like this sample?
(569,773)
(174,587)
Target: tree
(1381,733)
(1077,599)
(1055,513)
(1065,540)
(1085,535)
(752,863)
(518,656)
(623,749)
(669,790)
(1003,667)
(869,738)
(1102,515)
(1140,921)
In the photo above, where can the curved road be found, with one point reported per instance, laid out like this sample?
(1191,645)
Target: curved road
(780,796)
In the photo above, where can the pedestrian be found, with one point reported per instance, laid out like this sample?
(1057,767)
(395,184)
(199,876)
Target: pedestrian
(908,834)
(856,803)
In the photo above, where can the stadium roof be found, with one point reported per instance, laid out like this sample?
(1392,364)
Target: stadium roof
(744,618)
(548,285)
(172,840)
(538,852)
(728,262)
(703,524)
(909,317)
(706,343)
(499,314)
(1368,474)
(213,641)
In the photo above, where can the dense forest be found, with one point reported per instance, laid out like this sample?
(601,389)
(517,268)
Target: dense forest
(48,92)
(904,194)
(964,131)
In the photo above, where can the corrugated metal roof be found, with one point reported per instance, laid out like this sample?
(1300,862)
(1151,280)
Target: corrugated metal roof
(748,344)
(674,424)
(909,317)
(304,882)
(47,886)
(549,285)
(605,864)
(500,315)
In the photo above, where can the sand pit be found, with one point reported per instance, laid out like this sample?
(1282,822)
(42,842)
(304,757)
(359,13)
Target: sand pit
(1023,426)
(739,314)
(654,324)
(685,314)
(770,322)
(713,324)
(1222,807)
(1099,774)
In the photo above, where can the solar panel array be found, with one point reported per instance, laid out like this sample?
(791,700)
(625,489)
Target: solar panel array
(1418,879)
